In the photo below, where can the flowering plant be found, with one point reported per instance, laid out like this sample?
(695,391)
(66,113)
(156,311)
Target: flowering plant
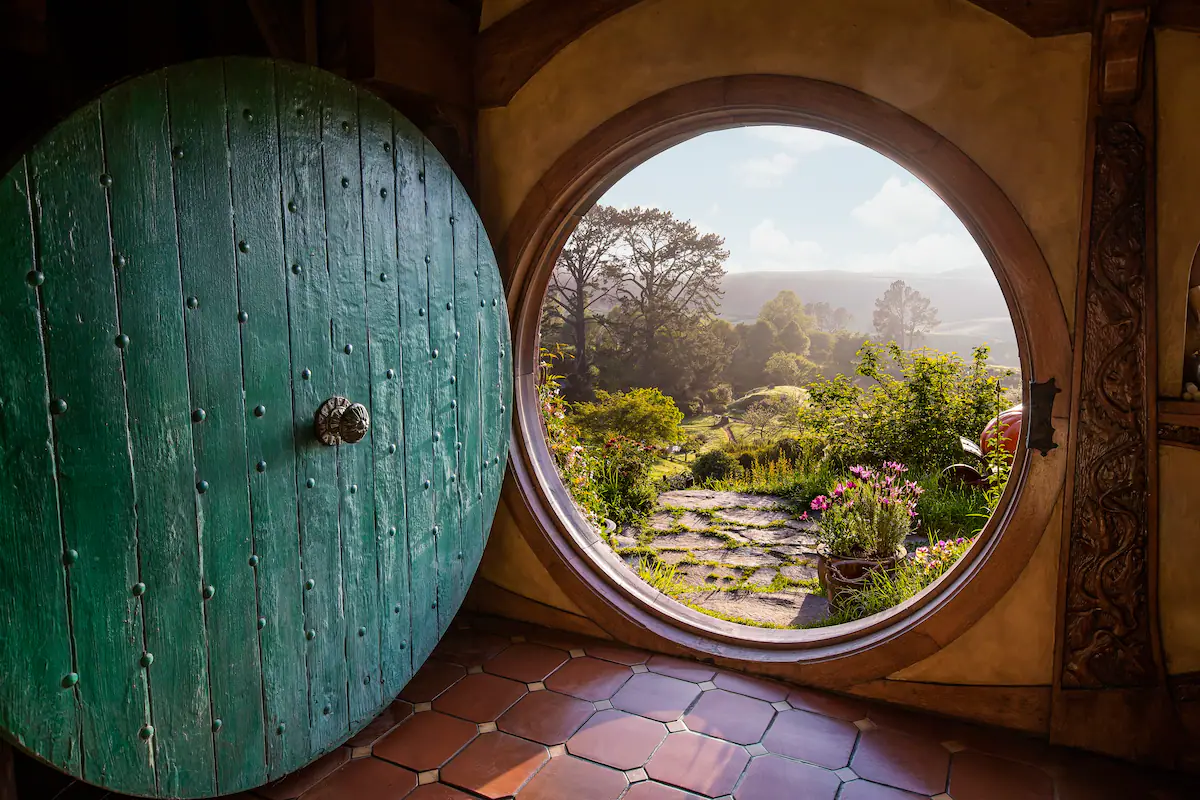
(868,515)
(939,556)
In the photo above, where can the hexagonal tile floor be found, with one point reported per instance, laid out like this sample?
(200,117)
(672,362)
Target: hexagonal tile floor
(508,710)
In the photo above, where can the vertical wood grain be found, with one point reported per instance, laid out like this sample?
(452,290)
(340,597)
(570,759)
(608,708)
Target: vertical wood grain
(96,500)
(36,648)
(358,579)
(380,189)
(144,238)
(266,375)
(300,93)
(495,380)
(203,200)
(418,386)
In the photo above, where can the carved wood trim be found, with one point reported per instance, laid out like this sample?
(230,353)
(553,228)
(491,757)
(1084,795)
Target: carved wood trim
(1180,435)
(1109,688)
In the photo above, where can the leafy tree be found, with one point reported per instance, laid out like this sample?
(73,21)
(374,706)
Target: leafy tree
(761,418)
(666,276)
(747,368)
(841,320)
(791,369)
(783,309)
(577,284)
(903,315)
(820,346)
(828,318)
(645,415)
(793,339)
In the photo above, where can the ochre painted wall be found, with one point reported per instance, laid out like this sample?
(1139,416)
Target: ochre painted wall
(496,9)
(1015,105)
(1178,54)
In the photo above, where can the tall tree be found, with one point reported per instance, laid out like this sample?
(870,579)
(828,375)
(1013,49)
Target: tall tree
(827,318)
(903,315)
(793,339)
(666,276)
(578,283)
(783,309)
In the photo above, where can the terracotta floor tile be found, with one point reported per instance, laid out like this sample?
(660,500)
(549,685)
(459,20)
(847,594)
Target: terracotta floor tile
(563,640)
(526,662)
(568,778)
(617,653)
(681,668)
(365,779)
(773,778)
(470,648)
(431,680)
(928,726)
(699,764)
(589,679)
(480,697)
(975,776)
(425,741)
(865,790)
(495,765)
(903,761)
(733,717)
(656,696)
(812,737)
(650,790)
(389,718)
(617,739)
(751,686)
(546,717)
(435,791)
(304,779)
(830,705)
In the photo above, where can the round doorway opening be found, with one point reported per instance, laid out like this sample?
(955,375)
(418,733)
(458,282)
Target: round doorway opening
(773,360)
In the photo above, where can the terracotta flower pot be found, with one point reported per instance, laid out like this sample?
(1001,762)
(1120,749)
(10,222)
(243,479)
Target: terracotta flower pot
(838,575)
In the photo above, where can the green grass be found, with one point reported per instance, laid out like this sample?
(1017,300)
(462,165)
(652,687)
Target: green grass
(763,393)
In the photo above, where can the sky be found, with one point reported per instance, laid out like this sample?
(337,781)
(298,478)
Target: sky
(790,198)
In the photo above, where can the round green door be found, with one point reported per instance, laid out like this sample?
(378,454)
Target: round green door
(199,593)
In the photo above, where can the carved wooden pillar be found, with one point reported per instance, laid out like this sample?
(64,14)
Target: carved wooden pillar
(1110,690)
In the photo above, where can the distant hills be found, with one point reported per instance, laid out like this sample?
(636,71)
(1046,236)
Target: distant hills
(969,303)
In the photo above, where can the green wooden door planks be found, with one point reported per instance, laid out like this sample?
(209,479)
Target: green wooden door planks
(202,596)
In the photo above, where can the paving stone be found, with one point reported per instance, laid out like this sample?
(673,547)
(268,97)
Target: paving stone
(622,541)
(662,521)
(695,522)
(757,517)
(799,572)
(747,557)
(778,608)
(762,577)
(670,557)
(701,575)
(792,552)
(687,541)
(708,500)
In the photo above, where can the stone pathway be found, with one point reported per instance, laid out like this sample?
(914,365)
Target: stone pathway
(739,556)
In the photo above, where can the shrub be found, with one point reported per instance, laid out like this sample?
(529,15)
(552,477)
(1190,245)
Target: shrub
(869,515)
(913,409)
(713,465)
(622,479)
(645,415)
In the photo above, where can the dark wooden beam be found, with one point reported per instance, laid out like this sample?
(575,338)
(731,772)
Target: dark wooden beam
(1040,18)
(1110,692)
(513,49)
(1180,14)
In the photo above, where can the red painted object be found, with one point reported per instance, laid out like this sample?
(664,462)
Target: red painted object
(1006,427)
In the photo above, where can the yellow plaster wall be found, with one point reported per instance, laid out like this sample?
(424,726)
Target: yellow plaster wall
(1178,54)
(1179,557)
(1015,105)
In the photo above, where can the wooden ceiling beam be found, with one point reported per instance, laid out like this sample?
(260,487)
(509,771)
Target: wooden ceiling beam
(512,50)
(1040,18)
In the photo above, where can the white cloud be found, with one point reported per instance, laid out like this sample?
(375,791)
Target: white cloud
(933,252)
(763,173)
(799,140)
(901,208)
(772,249)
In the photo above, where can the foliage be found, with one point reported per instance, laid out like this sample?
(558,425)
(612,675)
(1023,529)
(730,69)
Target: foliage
(828,318)
(791,368)
(903,314)
(576,462)
(621,479)
(784,309)
(645,415)
(577,284)
(713,465)
(869,515)
(882,590)
(914,410)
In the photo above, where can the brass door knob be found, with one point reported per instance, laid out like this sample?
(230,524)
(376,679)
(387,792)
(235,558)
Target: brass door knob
(338,421)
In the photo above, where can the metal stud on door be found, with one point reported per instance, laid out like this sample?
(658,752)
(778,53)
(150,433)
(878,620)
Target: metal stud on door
(253,419)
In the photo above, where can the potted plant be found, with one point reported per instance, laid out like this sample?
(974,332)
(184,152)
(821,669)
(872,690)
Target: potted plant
(862,526)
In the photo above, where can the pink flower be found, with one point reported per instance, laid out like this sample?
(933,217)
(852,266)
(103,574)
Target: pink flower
(804,516)
(819,503)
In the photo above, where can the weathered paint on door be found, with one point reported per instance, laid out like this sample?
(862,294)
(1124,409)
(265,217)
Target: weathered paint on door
(199,596)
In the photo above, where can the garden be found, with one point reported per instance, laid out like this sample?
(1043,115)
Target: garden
(791,506)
